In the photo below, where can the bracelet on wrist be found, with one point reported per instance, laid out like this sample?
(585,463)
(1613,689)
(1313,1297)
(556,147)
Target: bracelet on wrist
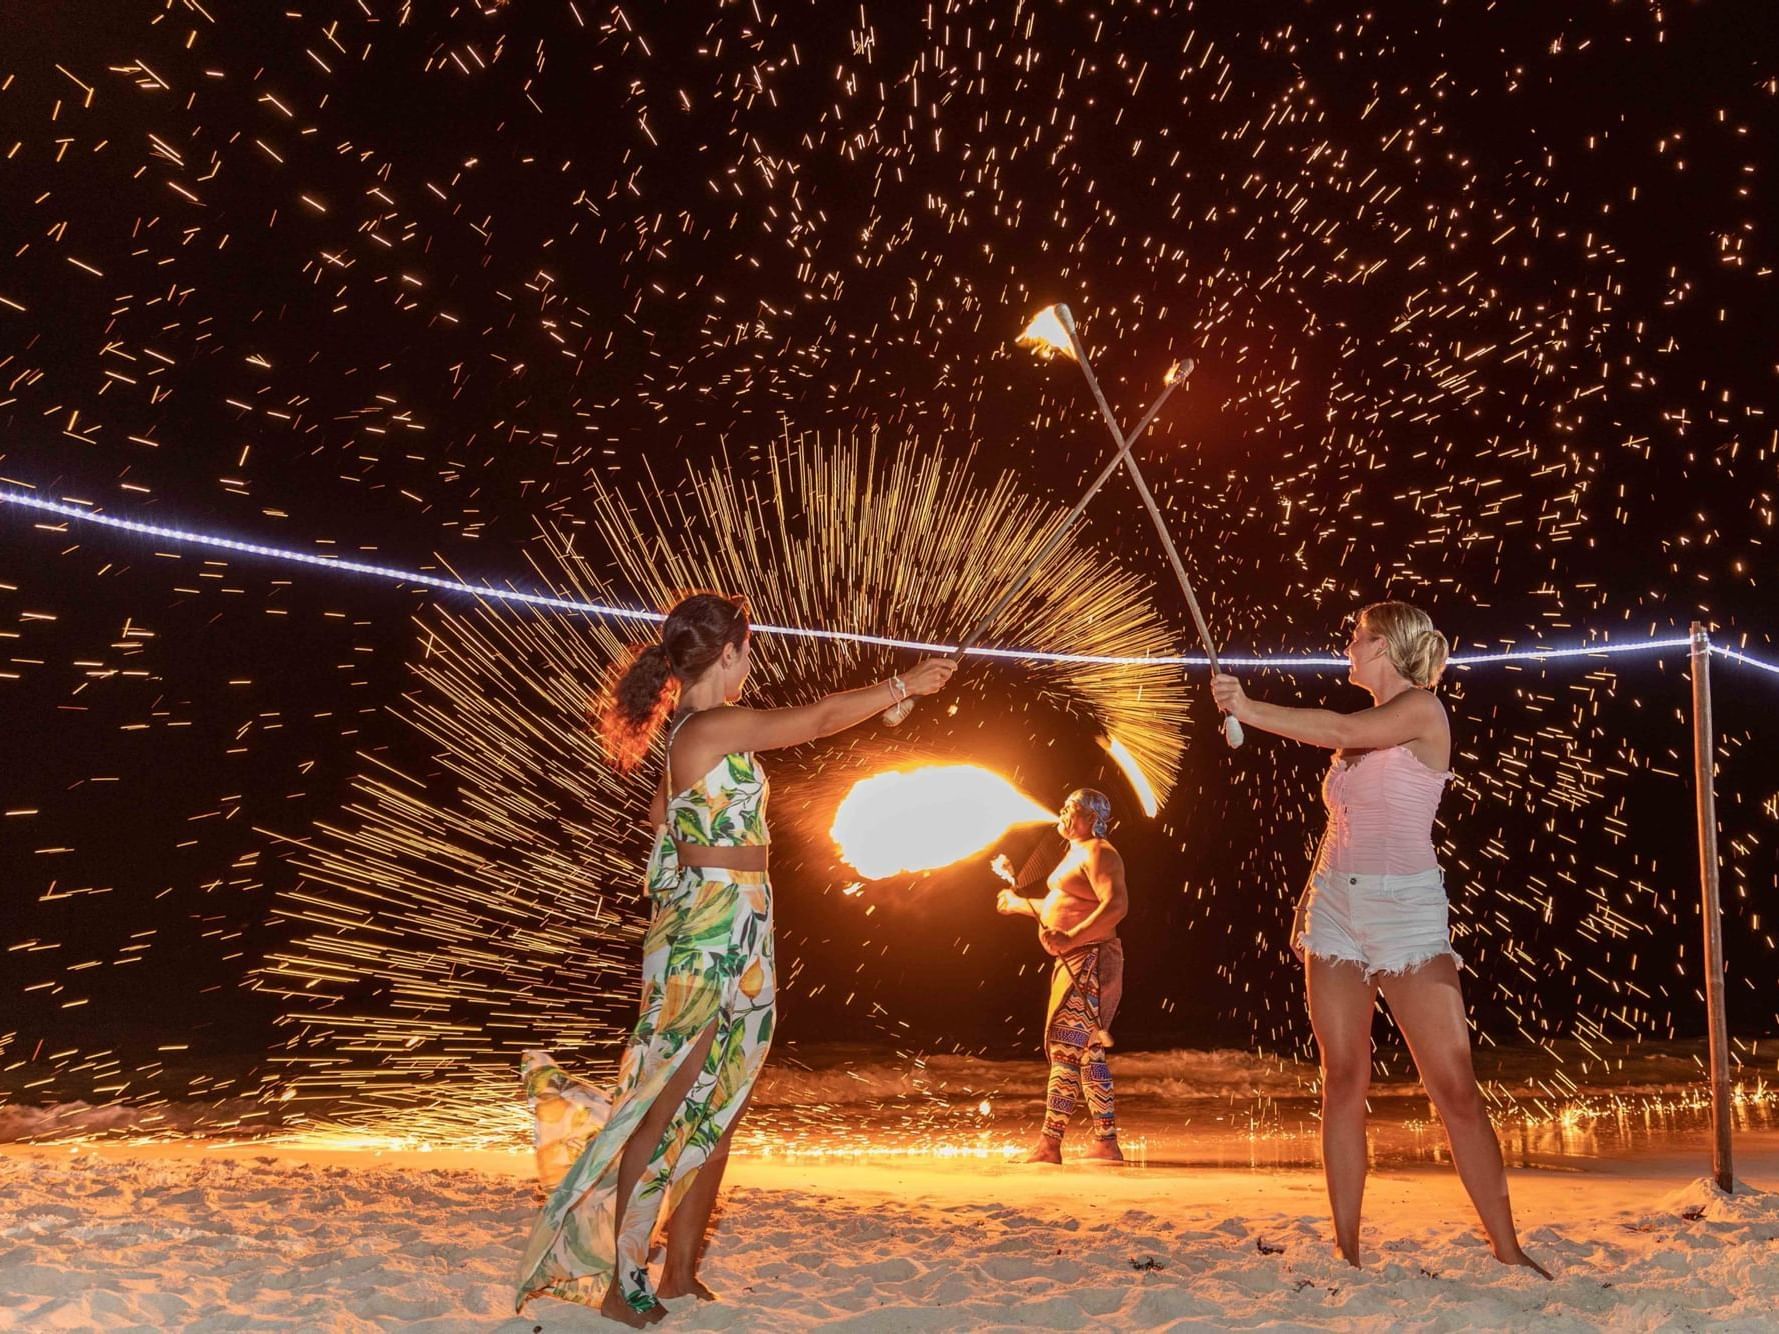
(898,688)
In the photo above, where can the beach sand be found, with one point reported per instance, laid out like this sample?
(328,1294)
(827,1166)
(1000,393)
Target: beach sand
(258,1236)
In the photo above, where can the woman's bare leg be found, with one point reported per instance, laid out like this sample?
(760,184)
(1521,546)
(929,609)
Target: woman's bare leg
(1428,1006)
(638,1149)
(1342,1003)
(688,1230)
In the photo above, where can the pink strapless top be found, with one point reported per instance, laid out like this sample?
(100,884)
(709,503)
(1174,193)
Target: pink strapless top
(1380,814)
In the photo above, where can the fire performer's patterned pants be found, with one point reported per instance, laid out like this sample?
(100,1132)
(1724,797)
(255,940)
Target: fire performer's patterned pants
(1085,988)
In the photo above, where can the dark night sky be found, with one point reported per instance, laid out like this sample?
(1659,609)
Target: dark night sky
(1474,294)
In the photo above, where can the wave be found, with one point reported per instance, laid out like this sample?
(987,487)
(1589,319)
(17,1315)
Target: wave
(811,1080)
(844,1076)
(233,1118)
(820,1086)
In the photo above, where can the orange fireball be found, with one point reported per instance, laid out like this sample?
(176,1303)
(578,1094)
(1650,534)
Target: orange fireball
(922,819)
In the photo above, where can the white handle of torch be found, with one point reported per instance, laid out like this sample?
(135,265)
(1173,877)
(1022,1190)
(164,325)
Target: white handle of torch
(1232,726)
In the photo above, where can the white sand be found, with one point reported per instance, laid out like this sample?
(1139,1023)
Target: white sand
(251,1237)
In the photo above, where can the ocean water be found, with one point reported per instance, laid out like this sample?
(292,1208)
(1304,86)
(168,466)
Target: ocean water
(1558,1105)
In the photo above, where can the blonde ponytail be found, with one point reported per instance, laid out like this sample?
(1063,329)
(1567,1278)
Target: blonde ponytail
(1416,649)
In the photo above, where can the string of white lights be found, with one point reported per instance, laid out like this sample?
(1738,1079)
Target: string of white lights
(1747,659)
(11,495)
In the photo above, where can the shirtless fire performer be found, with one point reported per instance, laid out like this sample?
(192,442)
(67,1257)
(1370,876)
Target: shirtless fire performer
(1078,925)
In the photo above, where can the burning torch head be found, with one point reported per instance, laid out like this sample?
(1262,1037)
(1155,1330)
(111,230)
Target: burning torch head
(1048,333)
(1090,802)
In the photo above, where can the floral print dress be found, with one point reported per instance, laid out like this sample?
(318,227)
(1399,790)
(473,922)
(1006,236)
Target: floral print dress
(707,963)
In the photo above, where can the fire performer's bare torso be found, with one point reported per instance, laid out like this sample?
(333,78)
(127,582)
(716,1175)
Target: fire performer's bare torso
(1088,880)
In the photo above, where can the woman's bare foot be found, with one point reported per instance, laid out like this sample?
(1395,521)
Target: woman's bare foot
(1520,1259)
(1351,1257)
(614,1307)
(672,1285)
(1047,1150)
(1106,1151)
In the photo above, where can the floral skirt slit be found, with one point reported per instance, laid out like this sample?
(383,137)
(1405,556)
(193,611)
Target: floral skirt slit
(707,967)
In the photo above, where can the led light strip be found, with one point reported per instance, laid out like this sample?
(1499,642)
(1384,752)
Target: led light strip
(1747,659)
(185,537)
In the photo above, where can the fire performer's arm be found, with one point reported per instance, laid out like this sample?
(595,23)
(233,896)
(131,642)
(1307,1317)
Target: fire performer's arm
(1413,715)
(743,729)
(1009,904)
(1105,873)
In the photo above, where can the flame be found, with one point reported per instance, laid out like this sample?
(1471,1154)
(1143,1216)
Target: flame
(921,819)
(1175,371)
(1133,772)
(1046,335)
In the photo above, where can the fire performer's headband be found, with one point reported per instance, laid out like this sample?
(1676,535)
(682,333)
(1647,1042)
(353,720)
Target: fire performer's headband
(1095,803)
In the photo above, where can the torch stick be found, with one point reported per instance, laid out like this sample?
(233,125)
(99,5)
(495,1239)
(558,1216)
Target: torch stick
(1232,728)
(897,712)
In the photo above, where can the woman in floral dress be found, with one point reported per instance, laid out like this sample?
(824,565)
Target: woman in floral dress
(661,1140)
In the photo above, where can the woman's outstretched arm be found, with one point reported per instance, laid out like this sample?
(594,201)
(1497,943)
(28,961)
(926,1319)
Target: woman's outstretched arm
(1412,715)
(739,729)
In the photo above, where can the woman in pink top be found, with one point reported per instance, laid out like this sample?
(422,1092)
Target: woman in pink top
(1374,917)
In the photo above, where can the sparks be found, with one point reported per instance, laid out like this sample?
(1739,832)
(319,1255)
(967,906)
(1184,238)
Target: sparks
(1133,772)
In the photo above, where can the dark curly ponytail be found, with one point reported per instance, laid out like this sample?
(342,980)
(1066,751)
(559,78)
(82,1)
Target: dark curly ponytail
(646,690)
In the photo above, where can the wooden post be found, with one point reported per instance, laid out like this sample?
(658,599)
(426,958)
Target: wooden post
(1704,783)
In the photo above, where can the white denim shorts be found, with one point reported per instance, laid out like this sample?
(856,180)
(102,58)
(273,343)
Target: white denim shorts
(1383,923)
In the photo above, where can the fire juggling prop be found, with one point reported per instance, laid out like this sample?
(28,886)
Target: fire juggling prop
(1042,335)
(1051,331)
(921,819)
(1176,376)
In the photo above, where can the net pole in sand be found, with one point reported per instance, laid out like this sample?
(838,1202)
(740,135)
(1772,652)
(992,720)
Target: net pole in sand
(1704,785)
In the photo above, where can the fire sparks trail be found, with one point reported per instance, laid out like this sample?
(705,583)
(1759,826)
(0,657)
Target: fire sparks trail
(856,537)
(1133,772)
(445,924)
(922,819)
